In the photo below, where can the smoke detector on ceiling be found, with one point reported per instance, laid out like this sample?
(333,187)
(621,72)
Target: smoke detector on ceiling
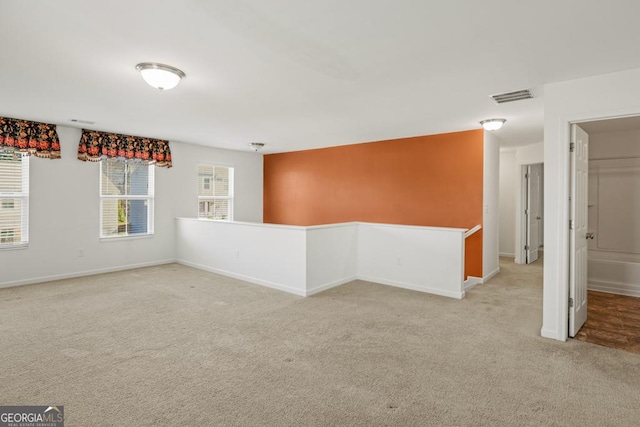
(518,95)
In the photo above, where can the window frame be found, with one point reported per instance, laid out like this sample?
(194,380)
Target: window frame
(150,198)
(230,198)
(23,196)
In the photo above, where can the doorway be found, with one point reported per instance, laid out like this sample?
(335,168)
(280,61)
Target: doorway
(605,239)
(532,221)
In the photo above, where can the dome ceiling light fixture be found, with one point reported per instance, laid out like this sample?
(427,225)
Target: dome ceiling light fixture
(160,76)
(256,146)
(492,124)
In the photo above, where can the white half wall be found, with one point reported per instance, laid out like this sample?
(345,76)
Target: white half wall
(426,259)
(268,255)
(507,210)
(606,96)
(332,256)
(64,213)
(307,260)
(491,195)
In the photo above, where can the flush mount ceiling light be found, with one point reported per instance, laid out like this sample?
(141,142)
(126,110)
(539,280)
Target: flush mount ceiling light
(160,76)
(492,124)
(256,146)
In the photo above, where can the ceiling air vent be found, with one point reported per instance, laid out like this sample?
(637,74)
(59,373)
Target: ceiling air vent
(501,98)
(84,122)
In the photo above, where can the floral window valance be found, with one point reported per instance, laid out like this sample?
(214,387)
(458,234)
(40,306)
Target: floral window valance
(95,146)
(29,137)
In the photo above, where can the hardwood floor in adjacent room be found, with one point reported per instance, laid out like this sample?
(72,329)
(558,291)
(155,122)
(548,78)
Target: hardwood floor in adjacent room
(612,321)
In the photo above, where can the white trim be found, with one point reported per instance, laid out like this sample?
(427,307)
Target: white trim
(556,276)
(550,333)
(330,285)
(472,231)
(127,237)
(508,254)
(84,273)
(490,275)
(255,281)
(451,294)
(611,287)
(472,282)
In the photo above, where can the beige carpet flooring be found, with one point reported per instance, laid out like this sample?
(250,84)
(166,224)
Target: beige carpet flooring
(175,346)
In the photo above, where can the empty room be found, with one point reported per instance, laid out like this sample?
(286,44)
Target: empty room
(334,213)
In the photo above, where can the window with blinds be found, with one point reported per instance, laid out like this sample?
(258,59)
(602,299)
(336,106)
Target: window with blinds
(14,199)
(215,192)
(126,198)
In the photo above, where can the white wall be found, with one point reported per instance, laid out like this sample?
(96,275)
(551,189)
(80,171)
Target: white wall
(64,213)
(614,212)
(526,155)
(491,195)
(332,256)
(247,179)
(606,96)
(507,210)
(614,145)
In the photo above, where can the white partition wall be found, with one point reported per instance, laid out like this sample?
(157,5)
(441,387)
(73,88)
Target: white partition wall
(273,256)
(332,256)
(308,260)
(426,259)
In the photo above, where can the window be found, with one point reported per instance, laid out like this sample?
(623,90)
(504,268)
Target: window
(14,197)
(215,192)
(126,198)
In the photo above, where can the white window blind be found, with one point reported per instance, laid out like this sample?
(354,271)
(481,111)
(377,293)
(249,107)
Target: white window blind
(215,192)
(14,199)
(126,198)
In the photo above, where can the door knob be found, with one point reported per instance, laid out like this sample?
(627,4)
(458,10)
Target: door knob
(590,236)
(538,217)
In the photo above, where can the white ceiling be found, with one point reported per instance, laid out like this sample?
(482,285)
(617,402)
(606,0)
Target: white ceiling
(299,74)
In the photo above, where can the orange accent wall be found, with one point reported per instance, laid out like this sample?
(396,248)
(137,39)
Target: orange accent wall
(434,180)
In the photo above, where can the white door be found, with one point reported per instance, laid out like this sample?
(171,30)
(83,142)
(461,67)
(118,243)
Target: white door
(533,213)
(578,229)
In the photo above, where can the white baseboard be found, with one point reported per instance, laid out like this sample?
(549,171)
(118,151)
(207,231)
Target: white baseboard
(254,280)
(326,286)
(472,282)
(551,333)
(490,275)
(43,279)
(435,291)
(507,254)
(628,289)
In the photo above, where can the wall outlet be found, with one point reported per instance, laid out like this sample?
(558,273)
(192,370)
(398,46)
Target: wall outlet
(80,253)
(237,253)
(398,261)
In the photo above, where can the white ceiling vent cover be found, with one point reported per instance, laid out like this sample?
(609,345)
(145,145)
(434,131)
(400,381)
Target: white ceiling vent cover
(501,98)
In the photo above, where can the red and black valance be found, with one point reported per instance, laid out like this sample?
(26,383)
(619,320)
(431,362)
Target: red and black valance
(95,146)
(36,138)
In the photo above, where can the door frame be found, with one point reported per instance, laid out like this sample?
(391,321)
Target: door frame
(521,220)
(556,280)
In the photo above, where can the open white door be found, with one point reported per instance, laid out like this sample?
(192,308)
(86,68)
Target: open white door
(578,229)
(533,212)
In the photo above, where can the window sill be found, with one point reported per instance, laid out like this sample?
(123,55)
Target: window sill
(121,238)
(14,247)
